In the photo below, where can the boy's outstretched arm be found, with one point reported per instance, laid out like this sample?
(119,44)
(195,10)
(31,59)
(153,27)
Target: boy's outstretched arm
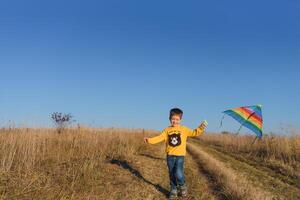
(156,139)
(198,131)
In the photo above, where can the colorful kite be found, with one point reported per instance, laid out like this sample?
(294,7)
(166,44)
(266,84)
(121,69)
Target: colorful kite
(248,116)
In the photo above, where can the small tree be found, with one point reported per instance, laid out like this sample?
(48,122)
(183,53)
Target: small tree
(61,120)
(225,133)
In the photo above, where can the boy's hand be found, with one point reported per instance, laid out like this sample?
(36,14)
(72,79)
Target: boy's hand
(203,125)
(146,140)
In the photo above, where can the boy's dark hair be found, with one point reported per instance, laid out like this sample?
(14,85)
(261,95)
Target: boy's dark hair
(176,111)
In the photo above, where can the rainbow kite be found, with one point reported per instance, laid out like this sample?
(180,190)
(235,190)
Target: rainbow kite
(248,116)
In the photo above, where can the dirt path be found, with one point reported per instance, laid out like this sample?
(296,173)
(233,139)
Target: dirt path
(285,173)
(147,172)
(210,174)
(259,177)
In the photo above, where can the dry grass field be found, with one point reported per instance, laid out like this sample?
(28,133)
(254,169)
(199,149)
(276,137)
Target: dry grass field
(87,163)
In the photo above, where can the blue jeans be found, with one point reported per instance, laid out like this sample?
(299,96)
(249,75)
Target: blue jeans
(176,173)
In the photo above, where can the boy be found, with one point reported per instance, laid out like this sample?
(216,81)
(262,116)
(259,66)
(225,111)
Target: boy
(175,137)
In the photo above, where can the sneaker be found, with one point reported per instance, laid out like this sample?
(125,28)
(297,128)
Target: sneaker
(183,190)
(173,194)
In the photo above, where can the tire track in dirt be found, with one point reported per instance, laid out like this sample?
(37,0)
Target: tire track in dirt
(231,184)
(211,182)
(259,177)
(197,181)
(278,173)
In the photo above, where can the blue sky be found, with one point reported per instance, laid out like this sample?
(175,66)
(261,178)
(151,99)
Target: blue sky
(126,63)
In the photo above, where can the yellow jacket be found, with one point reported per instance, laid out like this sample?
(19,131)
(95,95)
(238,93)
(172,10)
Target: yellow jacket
(175,139)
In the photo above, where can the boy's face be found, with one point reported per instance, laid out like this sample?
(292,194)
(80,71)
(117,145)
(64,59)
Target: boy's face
(175,120)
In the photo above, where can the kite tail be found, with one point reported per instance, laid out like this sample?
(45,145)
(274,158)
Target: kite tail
(238,131)
(221,123)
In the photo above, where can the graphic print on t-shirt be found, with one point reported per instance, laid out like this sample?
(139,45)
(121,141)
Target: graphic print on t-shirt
(174,139)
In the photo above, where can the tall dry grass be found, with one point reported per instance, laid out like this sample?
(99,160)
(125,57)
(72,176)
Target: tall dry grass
(48,165)
(270,147)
